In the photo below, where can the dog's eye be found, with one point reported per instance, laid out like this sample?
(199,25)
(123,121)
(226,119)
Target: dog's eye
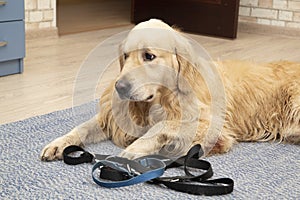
(149,56)
(125,55)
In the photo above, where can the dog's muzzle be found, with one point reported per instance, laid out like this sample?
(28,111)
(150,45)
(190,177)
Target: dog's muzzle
(123,88)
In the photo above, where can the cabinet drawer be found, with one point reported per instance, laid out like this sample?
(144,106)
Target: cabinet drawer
(11,10)
(12,40)
(11,67)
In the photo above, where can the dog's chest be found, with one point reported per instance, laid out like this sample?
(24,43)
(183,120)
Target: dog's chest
(136,118)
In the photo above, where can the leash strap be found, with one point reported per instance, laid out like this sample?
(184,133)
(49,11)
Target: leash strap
(196,184)
(84,157)
(208,188)
(112,172)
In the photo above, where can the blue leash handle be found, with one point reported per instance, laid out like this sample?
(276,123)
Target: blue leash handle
(156,169)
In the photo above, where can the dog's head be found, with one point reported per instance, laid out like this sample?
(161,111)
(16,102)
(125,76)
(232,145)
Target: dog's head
(150,61)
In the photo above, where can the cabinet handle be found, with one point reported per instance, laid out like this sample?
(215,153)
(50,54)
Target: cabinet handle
(3,43)
(2,3)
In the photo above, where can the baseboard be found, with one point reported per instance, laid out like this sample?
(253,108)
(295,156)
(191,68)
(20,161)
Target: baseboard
(248,27)
(41,33)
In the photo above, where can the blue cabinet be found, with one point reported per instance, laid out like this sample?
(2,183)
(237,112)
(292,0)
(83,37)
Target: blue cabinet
(12,36)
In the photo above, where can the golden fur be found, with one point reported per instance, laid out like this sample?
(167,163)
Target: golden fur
(262,101)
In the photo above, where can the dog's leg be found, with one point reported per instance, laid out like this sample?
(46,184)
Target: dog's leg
(290,95)
(88,132)
(214,141)
(291,132)
(171,138)
(174,139)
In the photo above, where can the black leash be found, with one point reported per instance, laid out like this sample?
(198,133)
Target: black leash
(119,172)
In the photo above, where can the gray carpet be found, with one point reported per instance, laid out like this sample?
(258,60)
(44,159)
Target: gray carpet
(260,170)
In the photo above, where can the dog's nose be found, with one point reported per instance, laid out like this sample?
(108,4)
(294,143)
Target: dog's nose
(123,87)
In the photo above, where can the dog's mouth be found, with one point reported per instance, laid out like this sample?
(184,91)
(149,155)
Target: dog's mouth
(148,99)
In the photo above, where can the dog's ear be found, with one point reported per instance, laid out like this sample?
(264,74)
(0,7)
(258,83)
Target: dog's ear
(184,65)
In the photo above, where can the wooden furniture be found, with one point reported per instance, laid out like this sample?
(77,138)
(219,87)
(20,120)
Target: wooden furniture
(208,17)
(12,36)
(75,16)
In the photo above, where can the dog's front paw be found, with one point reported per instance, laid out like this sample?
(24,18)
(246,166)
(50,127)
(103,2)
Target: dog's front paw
(131,155)
(54,150)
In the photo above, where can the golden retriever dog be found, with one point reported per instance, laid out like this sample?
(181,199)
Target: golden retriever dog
(167,98)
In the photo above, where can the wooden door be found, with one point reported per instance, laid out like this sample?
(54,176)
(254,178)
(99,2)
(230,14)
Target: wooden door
(209,17)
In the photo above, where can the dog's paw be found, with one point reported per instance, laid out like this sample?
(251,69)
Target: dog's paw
(131,155)
(54,150)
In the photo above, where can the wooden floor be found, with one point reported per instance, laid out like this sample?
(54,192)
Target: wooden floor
(52,64)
